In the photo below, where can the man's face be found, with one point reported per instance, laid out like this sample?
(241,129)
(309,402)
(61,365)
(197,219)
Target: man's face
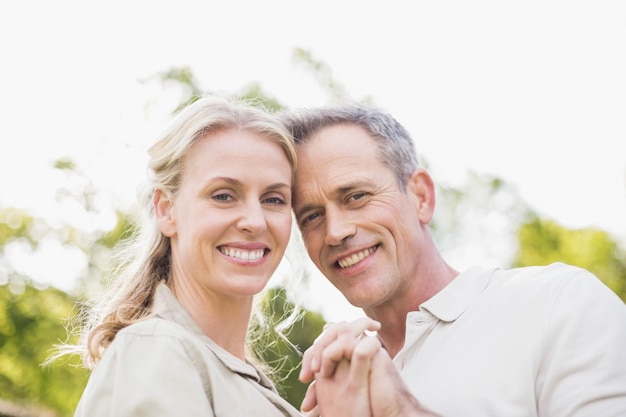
(359,227)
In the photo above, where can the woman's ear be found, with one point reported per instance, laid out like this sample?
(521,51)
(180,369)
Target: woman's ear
(164,213)
(422,187)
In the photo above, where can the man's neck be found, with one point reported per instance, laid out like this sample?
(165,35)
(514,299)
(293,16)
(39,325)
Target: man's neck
(392,315)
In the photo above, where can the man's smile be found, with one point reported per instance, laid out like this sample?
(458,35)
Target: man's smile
(355,258)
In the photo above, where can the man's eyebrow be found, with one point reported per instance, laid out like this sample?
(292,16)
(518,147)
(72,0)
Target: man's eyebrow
(351,186)
(336,193)
(304,209)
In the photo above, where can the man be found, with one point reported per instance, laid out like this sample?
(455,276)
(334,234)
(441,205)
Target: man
(539,341)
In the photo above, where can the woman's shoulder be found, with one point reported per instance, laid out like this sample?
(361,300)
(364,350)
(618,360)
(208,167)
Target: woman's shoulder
(156,330)
(149,341)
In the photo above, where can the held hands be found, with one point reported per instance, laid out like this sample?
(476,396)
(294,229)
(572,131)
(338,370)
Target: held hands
(340,362)
(354,375)
(336,342)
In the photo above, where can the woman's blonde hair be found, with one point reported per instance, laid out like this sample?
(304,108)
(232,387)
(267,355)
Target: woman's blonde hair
(145,260)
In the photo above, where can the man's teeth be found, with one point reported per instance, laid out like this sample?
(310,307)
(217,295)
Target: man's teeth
(356,258)
(244,255)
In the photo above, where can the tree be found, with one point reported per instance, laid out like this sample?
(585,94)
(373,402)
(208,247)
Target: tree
(544,241)
(190,89)
(478,220)
(30,324)
(32,316)
(282,349)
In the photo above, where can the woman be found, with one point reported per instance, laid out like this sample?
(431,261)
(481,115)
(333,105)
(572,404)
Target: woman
(171,340)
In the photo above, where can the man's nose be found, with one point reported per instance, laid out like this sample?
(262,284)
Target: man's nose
(339,226)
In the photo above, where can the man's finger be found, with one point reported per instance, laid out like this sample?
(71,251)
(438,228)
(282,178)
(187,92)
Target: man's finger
(312,359)
(363,356)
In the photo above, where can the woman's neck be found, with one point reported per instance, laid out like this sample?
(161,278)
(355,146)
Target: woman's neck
(223,319)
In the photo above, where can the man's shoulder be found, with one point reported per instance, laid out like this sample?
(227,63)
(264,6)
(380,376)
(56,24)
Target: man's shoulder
(529,278)
(554,274)
(557,280)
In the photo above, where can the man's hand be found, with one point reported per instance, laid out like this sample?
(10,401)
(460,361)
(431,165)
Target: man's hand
(336,342)
(345,391)
(389,396)
(354,375)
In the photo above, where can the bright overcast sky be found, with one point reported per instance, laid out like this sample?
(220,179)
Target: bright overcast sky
(531,91)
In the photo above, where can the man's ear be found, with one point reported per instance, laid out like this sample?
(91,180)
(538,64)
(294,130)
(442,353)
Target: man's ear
(164,213)
(422,187)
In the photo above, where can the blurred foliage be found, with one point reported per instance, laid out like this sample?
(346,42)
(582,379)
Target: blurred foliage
(184,79)
(33,317)
(255,93)
(542,242)
(30,324)
(15,224)
(323,73)
(65,163)
(282,351)
(499,209)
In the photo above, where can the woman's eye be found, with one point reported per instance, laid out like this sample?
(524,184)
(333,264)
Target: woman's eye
(275,200)
(222,197)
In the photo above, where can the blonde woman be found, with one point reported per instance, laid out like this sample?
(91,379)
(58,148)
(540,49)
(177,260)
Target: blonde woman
(170,339)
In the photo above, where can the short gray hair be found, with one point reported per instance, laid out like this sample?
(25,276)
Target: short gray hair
(395,145)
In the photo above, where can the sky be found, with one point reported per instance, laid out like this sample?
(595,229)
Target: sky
(533,92)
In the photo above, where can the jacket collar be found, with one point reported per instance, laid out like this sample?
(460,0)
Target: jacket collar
(167,306)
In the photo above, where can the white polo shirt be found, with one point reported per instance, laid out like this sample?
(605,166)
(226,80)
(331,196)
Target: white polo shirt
(538,341)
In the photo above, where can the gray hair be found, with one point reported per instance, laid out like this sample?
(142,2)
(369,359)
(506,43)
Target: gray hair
(395,145)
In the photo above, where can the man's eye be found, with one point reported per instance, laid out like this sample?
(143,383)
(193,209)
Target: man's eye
(356,196)
(309,218)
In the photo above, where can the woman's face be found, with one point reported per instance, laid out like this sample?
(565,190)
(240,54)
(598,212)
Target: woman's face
(230,222)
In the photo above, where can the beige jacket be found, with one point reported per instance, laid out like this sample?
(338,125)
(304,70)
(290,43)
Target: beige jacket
(166,366)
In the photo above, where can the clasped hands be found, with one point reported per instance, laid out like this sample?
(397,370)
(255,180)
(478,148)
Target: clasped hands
(353,375)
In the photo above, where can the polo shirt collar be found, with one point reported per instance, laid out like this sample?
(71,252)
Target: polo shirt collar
(449,303)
